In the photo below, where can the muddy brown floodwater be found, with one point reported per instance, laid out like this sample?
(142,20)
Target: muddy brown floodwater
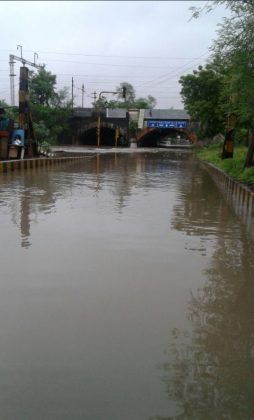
(126,292)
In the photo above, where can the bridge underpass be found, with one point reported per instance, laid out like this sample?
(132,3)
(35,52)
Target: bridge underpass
(113,127)
(89,137)
(153,125)
(150,137)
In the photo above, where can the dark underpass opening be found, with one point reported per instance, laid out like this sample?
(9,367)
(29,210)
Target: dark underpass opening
(89,137)
(152,138)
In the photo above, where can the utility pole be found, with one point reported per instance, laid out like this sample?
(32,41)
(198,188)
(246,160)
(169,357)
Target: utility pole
(83,90)
(99,117)
(72,86)
(35,55)
(12,74)
(117,132)
(21,55)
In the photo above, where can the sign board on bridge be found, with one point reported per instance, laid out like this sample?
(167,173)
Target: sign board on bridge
(166,124)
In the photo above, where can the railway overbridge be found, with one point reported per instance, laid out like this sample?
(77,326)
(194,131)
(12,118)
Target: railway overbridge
(150,126)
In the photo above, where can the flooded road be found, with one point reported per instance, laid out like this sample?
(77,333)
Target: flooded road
(126,293)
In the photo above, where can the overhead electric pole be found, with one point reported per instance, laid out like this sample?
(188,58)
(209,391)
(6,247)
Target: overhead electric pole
(23,61)
(72,97)
(12,75)
(83,90)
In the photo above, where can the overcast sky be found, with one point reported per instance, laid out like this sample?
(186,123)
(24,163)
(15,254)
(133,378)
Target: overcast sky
(149,44)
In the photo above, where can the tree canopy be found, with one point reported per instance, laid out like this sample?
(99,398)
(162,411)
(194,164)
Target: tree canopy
(226,85)
(130,101)
(50,108)
(201,93)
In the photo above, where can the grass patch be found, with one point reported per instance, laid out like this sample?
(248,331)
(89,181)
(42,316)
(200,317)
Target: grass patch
(233,167)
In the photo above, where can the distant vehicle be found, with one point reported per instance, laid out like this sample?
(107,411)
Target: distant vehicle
(164,143)
(173,143)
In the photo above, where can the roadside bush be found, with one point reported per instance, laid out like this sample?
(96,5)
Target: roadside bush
(241,136)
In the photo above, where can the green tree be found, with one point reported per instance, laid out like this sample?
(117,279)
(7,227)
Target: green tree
(130,101)
(3,103)
(235,47)
(201,94)
(10,111)
(130,92)
(145,103)
(50,109)
(42,88)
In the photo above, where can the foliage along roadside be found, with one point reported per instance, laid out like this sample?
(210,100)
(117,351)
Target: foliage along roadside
(225,85)
(50,109)
(233,167)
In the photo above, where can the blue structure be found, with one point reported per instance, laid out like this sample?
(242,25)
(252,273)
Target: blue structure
(166,124)
(18,133)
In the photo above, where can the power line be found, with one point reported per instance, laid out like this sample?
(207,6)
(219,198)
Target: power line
(141,85)
(178,68)
(107,64)
(115,56)
(95,75)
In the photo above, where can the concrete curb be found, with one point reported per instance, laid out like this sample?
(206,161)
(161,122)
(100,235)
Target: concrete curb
(7,166)
(238,195)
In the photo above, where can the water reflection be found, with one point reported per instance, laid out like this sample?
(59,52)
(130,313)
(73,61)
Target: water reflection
(210,369)
(109,251)
(122,174)
(23,198)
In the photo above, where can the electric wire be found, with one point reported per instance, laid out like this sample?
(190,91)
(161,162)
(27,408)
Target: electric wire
(110,80)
